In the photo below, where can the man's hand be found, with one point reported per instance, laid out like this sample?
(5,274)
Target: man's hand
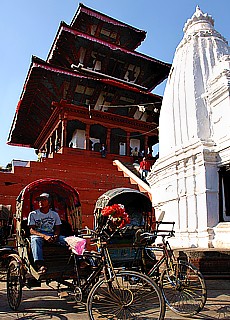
(55,237)
(51,239)
(48,238)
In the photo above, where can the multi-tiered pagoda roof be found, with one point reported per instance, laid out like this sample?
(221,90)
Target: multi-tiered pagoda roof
(92,64)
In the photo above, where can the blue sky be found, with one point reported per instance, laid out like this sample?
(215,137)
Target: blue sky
(28,27)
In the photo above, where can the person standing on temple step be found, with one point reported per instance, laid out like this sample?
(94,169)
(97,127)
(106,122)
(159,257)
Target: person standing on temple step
(144,169)
(103,150)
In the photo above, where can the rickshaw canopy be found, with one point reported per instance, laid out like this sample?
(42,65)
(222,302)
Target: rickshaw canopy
(137,205)
(64,199)
(125,196)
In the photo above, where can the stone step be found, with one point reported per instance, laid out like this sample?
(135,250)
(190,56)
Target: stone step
(132,167)
(213,262)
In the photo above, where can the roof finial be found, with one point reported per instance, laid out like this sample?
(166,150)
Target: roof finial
(199,12)
(198,16)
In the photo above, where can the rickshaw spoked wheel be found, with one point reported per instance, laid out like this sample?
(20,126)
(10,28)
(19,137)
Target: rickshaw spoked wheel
(14,284)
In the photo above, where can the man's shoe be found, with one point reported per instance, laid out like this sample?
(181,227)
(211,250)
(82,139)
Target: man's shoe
(42,270)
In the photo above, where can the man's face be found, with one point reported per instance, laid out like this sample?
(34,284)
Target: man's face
(43,203)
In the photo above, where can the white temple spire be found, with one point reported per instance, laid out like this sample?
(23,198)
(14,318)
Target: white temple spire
(184,116)
(190,179)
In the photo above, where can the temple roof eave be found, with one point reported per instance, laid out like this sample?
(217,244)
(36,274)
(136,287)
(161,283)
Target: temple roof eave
(138,34)
(104,17)
(153,71)
(65,28)
(33,94)
(37,62)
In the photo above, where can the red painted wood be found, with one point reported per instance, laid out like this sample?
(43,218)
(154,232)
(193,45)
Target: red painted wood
(91,176)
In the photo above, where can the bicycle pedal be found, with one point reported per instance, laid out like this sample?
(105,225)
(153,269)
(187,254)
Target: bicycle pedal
(63,294)
(94,267)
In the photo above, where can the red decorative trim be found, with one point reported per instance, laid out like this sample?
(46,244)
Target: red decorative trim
(18,106)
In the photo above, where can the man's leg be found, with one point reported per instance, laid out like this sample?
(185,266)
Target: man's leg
(141,172)
(61,240)
(145,172)
(36,247)
(37,251)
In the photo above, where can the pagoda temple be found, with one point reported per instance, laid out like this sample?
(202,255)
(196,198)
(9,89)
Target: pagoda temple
(94,88)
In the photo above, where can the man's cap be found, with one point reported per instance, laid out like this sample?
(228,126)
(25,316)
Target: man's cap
(43,195)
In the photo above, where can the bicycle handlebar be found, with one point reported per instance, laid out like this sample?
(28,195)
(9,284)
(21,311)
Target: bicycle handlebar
(162,233)
(94,235)
(159,232)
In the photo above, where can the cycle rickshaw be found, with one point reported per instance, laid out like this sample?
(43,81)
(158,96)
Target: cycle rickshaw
(4,224)
(6,246)
(142,215)
(89,276)
(182,284)
(21,271)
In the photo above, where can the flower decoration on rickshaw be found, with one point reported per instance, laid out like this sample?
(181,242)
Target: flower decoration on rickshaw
(116,215)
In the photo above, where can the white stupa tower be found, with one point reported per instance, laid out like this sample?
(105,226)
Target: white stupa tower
(189,181)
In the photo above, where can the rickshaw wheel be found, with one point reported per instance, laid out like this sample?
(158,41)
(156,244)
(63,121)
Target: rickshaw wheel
(14,284)
(183,288)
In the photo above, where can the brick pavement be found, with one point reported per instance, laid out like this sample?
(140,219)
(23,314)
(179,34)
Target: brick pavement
(43,303)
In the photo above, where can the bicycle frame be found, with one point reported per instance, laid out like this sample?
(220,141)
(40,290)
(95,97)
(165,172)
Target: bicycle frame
(104,265)
(122,290)
(93,276)
(167,257)
(182,284)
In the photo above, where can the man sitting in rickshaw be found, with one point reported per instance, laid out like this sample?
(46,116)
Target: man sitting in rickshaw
(44,225)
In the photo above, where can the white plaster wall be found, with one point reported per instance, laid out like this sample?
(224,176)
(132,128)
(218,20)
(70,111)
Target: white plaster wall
(181,188)
(218,97)
(78,139)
